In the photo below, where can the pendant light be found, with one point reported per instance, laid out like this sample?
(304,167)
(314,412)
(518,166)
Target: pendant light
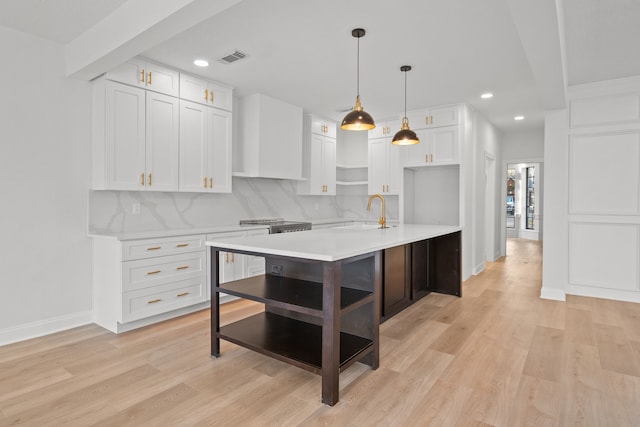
(405,136)
(358,119)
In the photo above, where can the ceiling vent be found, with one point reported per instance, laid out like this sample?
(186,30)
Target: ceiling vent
(234,56)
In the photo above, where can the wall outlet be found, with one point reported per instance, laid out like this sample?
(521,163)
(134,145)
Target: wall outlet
(135,209)
(276,270)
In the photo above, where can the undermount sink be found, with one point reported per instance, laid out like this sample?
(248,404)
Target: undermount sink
(359,227)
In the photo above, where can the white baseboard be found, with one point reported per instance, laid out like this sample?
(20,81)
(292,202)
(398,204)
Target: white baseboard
(554,294)
(479,268)
(44,327)
(595,292)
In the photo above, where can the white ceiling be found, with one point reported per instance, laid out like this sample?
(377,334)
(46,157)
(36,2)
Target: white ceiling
(303,52)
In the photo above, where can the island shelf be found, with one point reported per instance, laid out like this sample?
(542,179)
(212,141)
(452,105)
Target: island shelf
(292,341)
(321,316)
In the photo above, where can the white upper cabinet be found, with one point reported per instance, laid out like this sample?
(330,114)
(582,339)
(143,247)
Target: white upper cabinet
(438,146)
(318,157)
(161,144)
(205,148)
(434,117)
(146,74)
(270,138)
(135,138)
(384,164)
(385,129)
(206,92)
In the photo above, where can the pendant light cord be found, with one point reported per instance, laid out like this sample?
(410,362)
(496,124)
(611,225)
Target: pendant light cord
(405,94)
(358,70)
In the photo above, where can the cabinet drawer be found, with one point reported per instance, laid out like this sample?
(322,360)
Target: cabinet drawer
(160,299)
(147,273)
(139,249)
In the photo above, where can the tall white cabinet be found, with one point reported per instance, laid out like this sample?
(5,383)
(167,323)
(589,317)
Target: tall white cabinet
(384,160)
(318,157)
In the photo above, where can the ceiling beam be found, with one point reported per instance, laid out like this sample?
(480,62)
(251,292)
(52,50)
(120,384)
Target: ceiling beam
(540,25)
(134,27)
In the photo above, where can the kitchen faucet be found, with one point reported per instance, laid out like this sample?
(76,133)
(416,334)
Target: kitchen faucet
(383,219)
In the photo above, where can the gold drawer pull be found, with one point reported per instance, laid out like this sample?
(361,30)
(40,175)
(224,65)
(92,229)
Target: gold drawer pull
(153,272)
(153,301)
(154,248)
(142,76)
(211,94)
(182,245)
(182,267)
(142,179)
(150,77)
(183,294)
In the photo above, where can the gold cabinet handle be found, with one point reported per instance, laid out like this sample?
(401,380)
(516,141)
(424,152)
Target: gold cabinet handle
(226,257)
(182,245)
(210,182)
(206,94)
(150,77)
(150,180)
(154,248)
(211,95)
(153,301)
(233,257)
(426,120)
(432,158)
(183,294)
(153,272)
(204,182)
(142,76)
(182,267)
(426,158)
(430,120)
(142,179)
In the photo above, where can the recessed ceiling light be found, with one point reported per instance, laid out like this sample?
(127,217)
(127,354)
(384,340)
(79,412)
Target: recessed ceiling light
(518,118)
(486,95)
(201,63)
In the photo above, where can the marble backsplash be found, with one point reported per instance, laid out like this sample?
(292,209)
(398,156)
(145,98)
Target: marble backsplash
(112,211)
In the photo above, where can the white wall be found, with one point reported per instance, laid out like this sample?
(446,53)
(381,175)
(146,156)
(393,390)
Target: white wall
(487,141)
(523,145)
(45,267)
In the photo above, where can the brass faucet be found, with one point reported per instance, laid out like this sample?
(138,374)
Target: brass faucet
(383,219)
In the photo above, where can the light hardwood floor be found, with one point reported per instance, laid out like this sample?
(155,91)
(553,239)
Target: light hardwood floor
(498,356)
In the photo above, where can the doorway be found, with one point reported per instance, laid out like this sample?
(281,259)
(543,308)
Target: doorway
(523,208)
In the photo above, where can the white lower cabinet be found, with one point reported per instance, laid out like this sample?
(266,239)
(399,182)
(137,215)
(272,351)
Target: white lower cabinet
(138,282)
(236,266)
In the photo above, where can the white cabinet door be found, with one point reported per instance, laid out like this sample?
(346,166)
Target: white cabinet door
(329,165)
(445,116)
(378,165)
(193,147)
(124,137)
(203,91)
(417,155)
(316,169)
(219,150)
(205,148)
(145,74)
(384,167)
(161,142)
(444,145)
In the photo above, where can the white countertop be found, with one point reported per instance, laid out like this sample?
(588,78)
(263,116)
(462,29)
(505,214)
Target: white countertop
(333,244)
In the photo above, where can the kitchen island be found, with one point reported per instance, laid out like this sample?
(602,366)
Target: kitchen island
(322,294)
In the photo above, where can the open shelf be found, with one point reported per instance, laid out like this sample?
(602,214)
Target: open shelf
(292,341)
(297,295)
(352,166)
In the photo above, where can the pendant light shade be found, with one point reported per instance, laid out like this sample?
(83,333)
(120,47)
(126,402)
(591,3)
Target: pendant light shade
(358,119)
(405,136)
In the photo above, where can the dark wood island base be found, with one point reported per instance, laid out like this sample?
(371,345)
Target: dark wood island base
(323,316)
